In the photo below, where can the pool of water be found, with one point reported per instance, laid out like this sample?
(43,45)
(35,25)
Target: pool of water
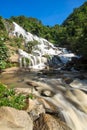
(17,79)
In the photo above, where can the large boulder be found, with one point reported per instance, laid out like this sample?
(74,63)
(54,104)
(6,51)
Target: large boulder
(12,119)
(49,122)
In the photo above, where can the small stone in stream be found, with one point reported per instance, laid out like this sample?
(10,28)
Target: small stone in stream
(20,80)
(68,80)
(37,88)
(47,93)
(31,83)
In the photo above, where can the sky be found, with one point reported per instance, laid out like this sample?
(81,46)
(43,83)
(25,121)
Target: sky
(50,12)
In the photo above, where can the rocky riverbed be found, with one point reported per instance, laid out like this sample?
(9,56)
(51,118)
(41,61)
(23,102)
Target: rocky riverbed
(59,101)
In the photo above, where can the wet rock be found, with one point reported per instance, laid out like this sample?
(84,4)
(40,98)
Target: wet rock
(49,122)
(81,77)
(40,105)
(81,84)
(47,93)
(36,111)
(37,88)
(31,83)
(68,80)
(55,61)
(47,105)
(12,119)
(50,108)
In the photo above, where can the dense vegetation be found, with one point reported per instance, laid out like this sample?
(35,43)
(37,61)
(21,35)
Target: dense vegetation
(76,30)
(3,48)
(8,97)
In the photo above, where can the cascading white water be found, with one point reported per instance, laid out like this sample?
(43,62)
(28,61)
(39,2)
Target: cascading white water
(22,58)
(34,61)
(43,47)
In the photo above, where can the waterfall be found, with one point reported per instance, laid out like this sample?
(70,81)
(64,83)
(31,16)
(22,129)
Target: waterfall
(23,56)
(43,47)
(34,61)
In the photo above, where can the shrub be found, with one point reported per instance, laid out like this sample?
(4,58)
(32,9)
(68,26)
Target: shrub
(8,97)
(30,45)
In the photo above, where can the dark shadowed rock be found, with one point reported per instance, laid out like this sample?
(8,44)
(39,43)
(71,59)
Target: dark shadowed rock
(48,122)
(68,80)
